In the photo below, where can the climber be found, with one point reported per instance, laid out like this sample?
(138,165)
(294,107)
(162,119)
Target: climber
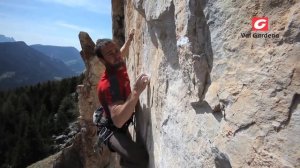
(119,101)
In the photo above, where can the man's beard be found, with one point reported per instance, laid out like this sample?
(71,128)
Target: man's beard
(118,65)
(114,67)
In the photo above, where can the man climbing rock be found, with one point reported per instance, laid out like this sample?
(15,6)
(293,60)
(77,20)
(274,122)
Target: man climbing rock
(119,101)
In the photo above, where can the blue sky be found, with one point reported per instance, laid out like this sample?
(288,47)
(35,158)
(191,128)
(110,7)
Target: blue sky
(55,22)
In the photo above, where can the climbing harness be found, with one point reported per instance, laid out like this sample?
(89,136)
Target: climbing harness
(105,129)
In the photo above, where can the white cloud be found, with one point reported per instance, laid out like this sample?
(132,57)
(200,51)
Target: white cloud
(102,7)
(62,32)
(73,27)
(42,33)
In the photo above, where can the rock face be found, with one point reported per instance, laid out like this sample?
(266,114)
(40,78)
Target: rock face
(217,99)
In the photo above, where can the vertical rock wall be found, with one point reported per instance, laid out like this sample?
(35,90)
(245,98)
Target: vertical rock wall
(216,99)
(118,21)
(256,82)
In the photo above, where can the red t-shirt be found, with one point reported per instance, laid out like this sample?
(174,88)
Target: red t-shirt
(113,87)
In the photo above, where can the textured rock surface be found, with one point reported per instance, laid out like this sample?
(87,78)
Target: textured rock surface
(216,99)
(118,21)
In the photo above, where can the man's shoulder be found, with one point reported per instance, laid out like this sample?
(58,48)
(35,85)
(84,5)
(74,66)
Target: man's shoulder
(103,84)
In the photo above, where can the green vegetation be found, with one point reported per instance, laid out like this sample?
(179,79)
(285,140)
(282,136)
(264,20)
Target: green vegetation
(30,116)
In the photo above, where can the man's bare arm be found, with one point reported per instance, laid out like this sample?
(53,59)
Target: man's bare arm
(125,48)
(122,111)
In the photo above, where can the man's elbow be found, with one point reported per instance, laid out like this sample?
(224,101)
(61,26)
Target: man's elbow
(115,115)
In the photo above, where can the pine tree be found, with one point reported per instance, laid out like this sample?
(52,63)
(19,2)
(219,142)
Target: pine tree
(29,116)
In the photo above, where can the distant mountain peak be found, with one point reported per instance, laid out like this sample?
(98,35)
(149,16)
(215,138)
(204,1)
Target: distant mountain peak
(6,39)
(51,46)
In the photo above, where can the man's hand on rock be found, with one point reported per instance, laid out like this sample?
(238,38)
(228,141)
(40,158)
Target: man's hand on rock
(141,82)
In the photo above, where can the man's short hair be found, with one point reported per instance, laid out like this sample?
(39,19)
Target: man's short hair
(100,43)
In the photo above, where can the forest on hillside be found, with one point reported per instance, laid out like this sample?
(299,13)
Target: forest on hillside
(30,117)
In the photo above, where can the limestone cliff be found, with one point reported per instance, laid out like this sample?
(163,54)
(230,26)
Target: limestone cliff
(216,99)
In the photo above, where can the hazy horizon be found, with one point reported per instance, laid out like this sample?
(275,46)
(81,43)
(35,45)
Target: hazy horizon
(55,22)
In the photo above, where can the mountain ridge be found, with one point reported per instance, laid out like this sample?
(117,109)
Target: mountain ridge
(23,65)
(69,55)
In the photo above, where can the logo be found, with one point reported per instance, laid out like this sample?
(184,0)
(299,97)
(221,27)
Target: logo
(260,24)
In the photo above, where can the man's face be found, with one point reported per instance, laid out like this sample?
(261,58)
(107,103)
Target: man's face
(111,54)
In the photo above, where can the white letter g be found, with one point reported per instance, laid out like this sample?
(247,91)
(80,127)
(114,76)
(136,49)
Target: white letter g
(257,24)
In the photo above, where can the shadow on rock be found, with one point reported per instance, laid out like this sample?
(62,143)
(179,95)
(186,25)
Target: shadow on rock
(204,107)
